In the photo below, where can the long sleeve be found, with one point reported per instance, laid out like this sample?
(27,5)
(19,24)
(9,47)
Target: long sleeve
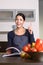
(32,39)
(9,39)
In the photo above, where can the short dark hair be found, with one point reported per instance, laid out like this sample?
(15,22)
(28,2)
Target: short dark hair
(22,15)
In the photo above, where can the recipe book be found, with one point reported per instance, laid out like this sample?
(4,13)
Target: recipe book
(12,54)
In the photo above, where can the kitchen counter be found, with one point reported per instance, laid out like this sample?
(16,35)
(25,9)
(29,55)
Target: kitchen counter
(17,61)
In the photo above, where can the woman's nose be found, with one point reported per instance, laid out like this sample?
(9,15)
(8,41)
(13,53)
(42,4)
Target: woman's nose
(18,20)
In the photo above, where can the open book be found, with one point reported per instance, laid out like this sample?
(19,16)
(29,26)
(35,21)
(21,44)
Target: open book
(15,53)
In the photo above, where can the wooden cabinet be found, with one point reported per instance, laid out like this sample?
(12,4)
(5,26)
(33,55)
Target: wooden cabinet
(3,46)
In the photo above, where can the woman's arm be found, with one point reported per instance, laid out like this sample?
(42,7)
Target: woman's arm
(8,51)
(9,42)
(32,39)
(31,35)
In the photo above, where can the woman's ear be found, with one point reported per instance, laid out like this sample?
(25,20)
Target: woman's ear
(24,21)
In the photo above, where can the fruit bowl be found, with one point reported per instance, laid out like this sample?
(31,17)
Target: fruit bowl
(35,50)
(36,56)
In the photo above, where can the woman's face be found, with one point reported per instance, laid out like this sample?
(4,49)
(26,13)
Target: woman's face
(19,21)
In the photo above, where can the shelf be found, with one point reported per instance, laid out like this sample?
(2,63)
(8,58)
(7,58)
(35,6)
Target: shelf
(4,32)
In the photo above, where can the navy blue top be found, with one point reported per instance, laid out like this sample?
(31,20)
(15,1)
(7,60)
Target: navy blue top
(19,41)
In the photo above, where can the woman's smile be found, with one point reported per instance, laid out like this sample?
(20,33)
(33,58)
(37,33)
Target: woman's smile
(19,21)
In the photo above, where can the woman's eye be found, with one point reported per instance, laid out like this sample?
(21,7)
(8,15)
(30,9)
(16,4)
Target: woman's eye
(20,19)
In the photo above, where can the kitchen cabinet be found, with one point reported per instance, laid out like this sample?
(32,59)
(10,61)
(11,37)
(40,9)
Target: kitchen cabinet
(9,14)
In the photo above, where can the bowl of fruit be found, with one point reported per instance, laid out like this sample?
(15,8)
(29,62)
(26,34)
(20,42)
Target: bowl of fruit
(34,51)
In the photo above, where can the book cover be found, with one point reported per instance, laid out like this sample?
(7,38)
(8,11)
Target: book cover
(12,54)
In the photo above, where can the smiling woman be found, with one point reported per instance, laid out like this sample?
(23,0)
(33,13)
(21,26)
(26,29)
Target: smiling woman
(20,36)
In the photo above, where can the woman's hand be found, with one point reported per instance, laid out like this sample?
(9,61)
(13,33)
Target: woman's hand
(8,52)
(30,30)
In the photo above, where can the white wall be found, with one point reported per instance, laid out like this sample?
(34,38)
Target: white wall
(20,4)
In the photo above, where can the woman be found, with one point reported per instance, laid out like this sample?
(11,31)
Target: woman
(20,36)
